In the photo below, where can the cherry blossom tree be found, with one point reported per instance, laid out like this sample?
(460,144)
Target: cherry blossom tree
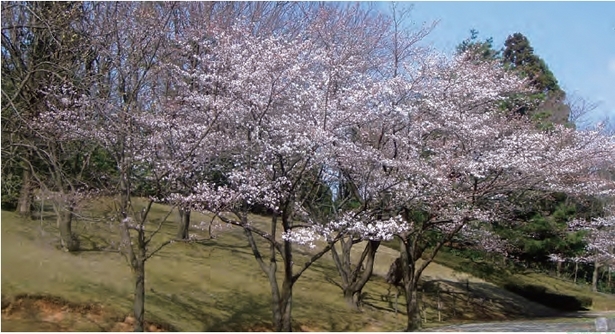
(600,244)
(291,101)
(486,160)
(452,159)
(65,176)
(418,175)
(313,125)
(398,43)
(195,22)
(121,111)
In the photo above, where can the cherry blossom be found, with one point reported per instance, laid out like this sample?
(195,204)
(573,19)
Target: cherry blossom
(268,120)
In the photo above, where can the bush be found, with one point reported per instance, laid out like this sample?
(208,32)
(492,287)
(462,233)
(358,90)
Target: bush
(586,302)
(539,294)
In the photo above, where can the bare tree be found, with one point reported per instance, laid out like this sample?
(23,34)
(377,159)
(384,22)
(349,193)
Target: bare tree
(116,111)
(43,45)
(580,110)
(46,48)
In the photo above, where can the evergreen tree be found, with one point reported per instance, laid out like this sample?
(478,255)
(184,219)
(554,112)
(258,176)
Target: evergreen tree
(519,55)
(482,49)
(549,100)
(548,106)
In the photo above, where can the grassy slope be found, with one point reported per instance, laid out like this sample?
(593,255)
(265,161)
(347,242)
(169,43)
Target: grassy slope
(218,286)
(192,287)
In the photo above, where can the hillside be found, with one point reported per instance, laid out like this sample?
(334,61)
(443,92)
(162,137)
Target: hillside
(214,286)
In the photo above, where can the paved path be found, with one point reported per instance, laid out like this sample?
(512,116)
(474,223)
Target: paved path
(521,326)
(585,323)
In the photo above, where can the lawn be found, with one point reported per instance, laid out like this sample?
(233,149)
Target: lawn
(215,285)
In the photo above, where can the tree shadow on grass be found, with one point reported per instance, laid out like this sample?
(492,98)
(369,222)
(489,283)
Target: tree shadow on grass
(373,303)
(195,252)
(235,248)
(247,312)
(183,309)
(474,301)
(445,300)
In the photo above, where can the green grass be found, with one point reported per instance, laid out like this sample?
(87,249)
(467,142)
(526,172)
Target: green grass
(217,285)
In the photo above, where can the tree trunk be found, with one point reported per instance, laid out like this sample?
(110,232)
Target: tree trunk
(139,298)
(281,299)
(277,314)
(352,298)
(595,276)
(353,279)
(412,307)
(65,220)
(410,286)
(286,307)
(137,265)
(282,321)
(184,224)
(559,268)
(287,285)
(576,271)
(281,303)
(139,273)
(24,205)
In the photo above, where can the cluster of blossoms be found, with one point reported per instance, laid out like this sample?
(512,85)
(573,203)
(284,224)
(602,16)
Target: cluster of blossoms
(432,139)
(599,239)
(350,224)
(278,114)
(484,239)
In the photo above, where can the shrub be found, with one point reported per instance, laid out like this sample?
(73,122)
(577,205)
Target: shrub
(539,294)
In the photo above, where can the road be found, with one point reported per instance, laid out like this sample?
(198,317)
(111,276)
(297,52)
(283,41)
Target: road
(583,323)
(521,326)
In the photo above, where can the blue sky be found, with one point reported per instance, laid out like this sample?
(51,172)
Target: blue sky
(576,39)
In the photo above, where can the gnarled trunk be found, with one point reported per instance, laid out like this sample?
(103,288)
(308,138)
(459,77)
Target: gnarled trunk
(354,276)
(412,307)
(352,298)
(410,283)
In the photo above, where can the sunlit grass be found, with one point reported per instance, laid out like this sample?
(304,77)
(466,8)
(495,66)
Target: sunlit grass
(214,286)
(217,285)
